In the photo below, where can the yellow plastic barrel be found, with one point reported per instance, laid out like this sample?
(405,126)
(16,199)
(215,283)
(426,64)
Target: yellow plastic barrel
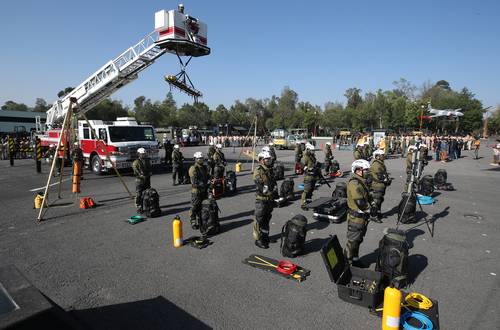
(392,309)
(177,232)
(237,167)
(75,187)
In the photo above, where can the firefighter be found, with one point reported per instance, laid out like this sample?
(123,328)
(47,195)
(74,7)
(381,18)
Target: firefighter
(50,156)
(367,150)
(360,207)
(168,152)
(272,152)
(210,155)
(380,180)
(219,159)
(264,199)
(310,177)
(77,156)
(298,152)
(198,173)
(409,164)
(359,151)
(142,173)
(177,166)
(328,157)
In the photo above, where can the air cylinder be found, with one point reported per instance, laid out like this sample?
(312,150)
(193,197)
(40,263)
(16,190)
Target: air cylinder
(392,309)
(177,232)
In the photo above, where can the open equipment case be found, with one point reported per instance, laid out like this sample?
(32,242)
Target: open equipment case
(331,209)
(355,285)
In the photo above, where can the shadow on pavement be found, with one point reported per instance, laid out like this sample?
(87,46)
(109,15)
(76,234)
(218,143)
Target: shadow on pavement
(416,264)
(234,224)
(155,313)
(174,211)
(314,245)
(237,215)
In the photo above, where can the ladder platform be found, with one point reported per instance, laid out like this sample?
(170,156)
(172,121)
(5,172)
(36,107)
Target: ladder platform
(183,47)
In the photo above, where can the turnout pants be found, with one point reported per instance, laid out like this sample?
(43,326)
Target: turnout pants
(177,174)
(309,184)
(263,214)
(140,186)
(197,199)
(378,194)
(356,231)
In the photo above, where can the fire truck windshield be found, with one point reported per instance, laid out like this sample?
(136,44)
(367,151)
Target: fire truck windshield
(131,133)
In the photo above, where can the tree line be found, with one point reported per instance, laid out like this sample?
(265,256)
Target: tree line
(399,108)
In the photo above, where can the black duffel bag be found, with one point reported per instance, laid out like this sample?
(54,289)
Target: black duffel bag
(293,236)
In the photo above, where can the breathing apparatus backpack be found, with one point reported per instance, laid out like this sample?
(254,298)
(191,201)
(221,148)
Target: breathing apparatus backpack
(230,182)
(151,203)
(218,171)
(426,185)
(407,208)
(340,190)
(286,190)
(210,217)
(293,236)
(279,171)
(392,259)
(440,177)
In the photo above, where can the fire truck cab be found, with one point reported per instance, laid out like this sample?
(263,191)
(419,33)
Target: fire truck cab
(122,139)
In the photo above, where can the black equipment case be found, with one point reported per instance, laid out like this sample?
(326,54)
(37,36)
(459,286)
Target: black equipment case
(354,285)
(329,208)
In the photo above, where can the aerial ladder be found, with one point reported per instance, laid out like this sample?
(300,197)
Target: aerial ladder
(175,32)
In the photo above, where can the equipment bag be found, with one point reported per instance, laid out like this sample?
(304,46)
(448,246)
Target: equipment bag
(151,203)
(440,177)
(407,214)
(286,189)
(447,186)
(210,217)
(293,236)
(334,167)
(392,259)
(279,171)
(218,171)
(426,186)
(340,190)
(230,182)
(299,170)
(86,203)
(217,187)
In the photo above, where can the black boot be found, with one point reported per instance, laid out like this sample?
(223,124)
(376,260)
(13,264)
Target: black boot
(262,244)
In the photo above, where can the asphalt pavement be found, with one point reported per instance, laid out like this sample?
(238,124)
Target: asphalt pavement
(112,275)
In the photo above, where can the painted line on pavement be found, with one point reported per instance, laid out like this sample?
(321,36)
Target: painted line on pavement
(52,184)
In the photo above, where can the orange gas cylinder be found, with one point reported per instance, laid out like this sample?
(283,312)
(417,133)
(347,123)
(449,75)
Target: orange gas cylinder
(392,309)
(77,166)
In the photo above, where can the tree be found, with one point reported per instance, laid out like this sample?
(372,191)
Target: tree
(220,116)
(107,110)
(354,98)
(41,105)
(404,88)
(13,106)
(443,84)
(287,104)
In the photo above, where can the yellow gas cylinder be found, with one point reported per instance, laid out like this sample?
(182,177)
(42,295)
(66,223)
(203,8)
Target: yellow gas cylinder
(392,309)
(237,167)
(177,232)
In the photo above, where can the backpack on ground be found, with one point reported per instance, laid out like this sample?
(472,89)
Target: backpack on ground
(151,203)
(340,190)
(287,189)
(426,185)
(441,177)
(230,182)
(407,208)
(210,217)
(293,236)
(392,259)
(85,203)
(279,171)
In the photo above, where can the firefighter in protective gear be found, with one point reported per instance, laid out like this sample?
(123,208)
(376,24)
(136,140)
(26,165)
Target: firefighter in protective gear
(177,166)
(142,173)
(200,178)
(272,152)
(380,180)
(360,207)
(367,150)
(359,151)
(169,148)
(264,199)
(311,175)
(409,162)
(328,157)
(77,156)
(219,161)
(210,155)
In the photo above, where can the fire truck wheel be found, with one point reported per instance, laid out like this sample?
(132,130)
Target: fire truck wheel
(96,165)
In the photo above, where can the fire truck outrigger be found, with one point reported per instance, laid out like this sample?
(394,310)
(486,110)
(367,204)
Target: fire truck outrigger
(107,145)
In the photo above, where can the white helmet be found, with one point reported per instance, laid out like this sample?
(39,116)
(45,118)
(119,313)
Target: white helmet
(141,151)
(76,143)
(265,148)
(210,143)
(423,145)
(360,163)
(328,144)
(271,144)
(264,154)
(309,146)
(411,148)
(378,152)
(198,154)
(219,146)
(176,146)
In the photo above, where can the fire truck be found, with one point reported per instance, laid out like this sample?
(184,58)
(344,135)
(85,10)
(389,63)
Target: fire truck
(175,32)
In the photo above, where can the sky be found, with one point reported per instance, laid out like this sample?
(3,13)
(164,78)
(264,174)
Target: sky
(317,48)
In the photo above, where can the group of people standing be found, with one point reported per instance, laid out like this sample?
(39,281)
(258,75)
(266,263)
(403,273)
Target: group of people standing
(23,147)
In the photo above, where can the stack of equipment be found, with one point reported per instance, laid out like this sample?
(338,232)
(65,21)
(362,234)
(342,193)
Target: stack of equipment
(230,183)
(279,171)
(151,203)
(210,217)
(333,209)
(407,208)
(354,285)
(426,185)
(335,171)
(340,190)
(441,181)
(286,193)
(392,259)
(293,236)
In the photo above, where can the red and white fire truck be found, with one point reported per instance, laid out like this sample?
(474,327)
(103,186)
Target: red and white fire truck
(176,33)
